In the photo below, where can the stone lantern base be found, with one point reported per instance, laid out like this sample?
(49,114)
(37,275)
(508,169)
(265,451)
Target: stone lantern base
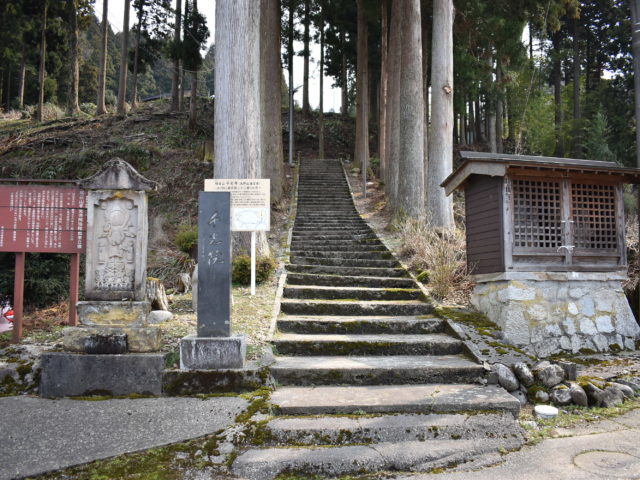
(547,313)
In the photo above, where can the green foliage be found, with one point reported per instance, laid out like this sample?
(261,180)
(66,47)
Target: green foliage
(597,139)
(186,238)
(241,269)
(46,278)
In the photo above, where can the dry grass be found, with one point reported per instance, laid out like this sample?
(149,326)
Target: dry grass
(440,252)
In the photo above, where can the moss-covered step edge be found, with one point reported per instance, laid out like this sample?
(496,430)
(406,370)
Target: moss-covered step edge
(359,293)
(359,325)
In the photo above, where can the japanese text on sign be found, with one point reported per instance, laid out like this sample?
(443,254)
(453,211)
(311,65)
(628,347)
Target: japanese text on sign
(250,201)
(39,218)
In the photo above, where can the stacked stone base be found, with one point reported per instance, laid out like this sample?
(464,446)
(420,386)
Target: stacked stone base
(113,319)
(547,313)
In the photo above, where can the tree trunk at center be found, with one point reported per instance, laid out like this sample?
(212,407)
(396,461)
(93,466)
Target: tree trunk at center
(411,199)
(440,206)
(237,119)
(122,87)
(362,92)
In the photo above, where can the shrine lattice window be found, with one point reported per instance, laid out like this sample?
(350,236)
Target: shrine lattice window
(594,216)
(537,214)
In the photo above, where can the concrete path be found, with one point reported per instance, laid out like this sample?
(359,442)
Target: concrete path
(607,450)
(39,435)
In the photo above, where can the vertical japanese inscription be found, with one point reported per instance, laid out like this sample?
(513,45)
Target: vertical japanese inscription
(214,264)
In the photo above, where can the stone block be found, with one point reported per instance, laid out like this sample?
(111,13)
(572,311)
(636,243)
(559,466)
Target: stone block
(537,312)
(587,307)
(577,293)
(572,308)
(587,326)
(516,291)
(159,316)
(139,339)
(205,353)
(603,324)
(71,374)
(93,313)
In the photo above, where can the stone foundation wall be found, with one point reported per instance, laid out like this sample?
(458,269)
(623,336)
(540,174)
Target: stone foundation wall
(550,313)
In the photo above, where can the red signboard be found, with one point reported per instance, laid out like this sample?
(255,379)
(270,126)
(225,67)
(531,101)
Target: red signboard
(38,218)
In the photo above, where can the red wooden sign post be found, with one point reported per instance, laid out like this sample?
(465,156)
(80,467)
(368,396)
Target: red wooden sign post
(43,219)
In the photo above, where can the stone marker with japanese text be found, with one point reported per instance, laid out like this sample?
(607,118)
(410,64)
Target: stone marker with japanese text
(213,346)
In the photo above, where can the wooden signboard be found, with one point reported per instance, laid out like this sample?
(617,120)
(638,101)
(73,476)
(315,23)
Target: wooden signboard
(45,219)
(42,219)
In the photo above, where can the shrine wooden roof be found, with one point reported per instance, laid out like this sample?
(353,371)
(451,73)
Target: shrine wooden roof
(502,164)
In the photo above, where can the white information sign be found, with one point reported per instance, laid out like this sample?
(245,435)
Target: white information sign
(250,202)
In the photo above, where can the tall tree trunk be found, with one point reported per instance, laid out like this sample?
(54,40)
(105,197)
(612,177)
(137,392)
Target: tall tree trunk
(306,108)
(193,101)
(393,102)
(478,112)
(7,89)
(175,74)
(577,114)
(424,18)
(101,108)
(384,76)
(499,106)
(21,77)
(635,19)
(321,153)
(463,124)
(557,93)
(73,106)
(411,198)
(361,156)
(343,76)
(472,123)
(41,70)
(183,62)
(134,87)
(291,87)
(270,78)
(439,206)
(122,87)
(237,142)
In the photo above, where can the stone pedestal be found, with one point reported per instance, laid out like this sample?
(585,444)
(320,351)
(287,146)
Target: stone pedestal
(547,313)
(207,353)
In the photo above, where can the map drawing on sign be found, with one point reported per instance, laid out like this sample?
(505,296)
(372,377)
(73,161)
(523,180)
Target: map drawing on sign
(250,202)
(251,219)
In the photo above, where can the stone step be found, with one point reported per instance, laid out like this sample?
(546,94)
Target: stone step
(342,461)
(311,241)
(357,293)
(269,463)
(365,345)
(356,262)
(340,248)
(340,430)
(432,398)
(372,255)
(375,370)
(306,236)
(332,227)
(351,271)
(330,223)
(315,230)
(348,281)
(313,324)
(356,308)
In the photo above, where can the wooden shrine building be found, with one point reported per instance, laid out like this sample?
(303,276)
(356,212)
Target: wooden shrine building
(528,217)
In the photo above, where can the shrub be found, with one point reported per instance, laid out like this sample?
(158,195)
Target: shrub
(440,252)
(241,269)
(186,238)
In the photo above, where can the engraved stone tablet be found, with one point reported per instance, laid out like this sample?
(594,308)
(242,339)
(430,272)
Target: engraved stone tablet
(214,264)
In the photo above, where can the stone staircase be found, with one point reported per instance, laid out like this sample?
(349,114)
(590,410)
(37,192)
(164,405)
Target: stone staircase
(362,365)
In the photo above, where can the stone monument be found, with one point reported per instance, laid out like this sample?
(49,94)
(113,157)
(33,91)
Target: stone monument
(213,346)
(113,316)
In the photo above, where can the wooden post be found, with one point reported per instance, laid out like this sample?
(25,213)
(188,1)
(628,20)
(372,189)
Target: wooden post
(18,297)
(74,271)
